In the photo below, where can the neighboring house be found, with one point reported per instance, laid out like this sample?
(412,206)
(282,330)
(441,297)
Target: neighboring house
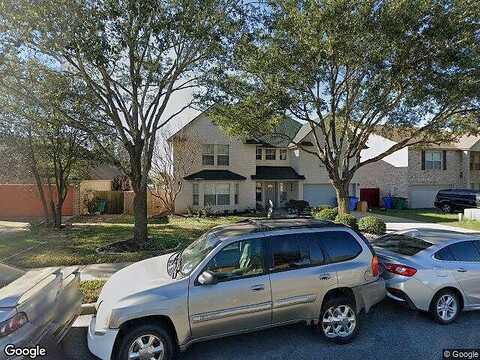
(235,174)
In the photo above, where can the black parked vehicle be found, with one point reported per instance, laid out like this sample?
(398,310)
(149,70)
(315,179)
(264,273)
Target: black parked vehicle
(450,200)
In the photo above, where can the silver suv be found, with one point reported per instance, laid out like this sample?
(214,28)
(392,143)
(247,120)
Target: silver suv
(238,278)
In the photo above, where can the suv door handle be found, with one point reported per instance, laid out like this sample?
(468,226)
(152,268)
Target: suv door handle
(325,276)
(258,287)
(461,270)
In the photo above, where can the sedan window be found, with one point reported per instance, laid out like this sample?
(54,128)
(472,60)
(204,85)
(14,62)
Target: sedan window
(238,260)
(464,251)
(402,244)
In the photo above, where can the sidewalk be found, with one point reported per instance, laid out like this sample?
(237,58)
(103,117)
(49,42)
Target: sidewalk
(100,271)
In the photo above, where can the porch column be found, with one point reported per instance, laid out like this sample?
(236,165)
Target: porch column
(466,169)
(300,190)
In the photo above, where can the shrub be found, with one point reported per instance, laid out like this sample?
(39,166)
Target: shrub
(347,219)
(327,214)
(372,225)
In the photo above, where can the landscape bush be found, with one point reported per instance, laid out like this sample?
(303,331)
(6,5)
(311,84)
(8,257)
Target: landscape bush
(327,214)
(347,219)
(372,225)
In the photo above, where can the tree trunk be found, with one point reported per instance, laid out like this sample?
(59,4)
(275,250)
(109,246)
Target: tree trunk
(140,230)
(342,197)
(36,176)
(57,215)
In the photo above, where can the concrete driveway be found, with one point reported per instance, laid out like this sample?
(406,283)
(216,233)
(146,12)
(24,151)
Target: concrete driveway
(390,331)
(397,224)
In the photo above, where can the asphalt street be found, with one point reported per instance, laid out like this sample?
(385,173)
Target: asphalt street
(389,331)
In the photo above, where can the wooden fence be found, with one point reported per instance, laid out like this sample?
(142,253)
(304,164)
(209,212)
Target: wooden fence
(114,199)
(154,204)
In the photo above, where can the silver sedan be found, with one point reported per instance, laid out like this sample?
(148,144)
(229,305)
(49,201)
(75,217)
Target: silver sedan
(432,270)
(36,307)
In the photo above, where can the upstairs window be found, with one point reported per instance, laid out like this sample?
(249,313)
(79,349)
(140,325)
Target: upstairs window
(270,154)
(433,160)
(208,154)
(283,154)
(223,156)
(259,153)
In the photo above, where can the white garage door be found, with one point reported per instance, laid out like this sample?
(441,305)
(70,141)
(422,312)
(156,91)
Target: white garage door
(423,197)
(317,194)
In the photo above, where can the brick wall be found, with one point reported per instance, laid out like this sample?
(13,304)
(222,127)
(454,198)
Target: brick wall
(450,176)
(23,201)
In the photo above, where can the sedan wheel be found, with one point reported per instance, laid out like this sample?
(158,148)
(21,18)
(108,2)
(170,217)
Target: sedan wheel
(445,307)
(338,321)
(148,347)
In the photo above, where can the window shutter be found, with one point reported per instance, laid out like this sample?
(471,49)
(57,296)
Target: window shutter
(444,159)
(423,159)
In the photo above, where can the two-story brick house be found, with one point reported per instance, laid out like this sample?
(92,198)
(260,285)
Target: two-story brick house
(235,174)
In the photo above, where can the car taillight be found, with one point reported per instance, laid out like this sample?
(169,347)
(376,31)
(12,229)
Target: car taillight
(400,269)
(375,266)
(13,324)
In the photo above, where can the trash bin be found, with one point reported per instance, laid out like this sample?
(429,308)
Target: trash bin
(352,203)
(399,203)
(388,202)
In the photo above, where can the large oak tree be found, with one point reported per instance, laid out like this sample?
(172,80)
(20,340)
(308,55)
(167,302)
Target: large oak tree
(350,68)
(132,57)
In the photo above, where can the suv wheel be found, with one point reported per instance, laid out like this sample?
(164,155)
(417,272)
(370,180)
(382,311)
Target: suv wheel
(152,342)
(446,208)
(338,320)
(445,307)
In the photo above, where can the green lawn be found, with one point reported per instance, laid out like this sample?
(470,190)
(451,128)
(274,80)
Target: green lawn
(429,215)
(76,245)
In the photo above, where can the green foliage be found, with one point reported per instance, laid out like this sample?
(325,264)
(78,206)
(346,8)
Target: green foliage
(372,225)
(91,290)
(347,219)
(327,214)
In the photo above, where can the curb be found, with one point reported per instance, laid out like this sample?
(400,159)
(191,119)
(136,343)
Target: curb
(88,309)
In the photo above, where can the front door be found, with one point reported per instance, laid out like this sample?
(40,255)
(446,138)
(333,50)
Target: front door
(241,298)
(270,194)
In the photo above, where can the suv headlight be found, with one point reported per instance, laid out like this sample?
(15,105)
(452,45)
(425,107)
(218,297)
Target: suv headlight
(13,324)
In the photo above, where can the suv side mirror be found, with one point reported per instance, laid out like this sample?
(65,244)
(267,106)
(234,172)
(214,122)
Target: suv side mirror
(207,278)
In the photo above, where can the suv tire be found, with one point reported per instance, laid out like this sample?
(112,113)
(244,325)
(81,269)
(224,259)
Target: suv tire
(161,345)
(446,208)
(445,307)
(342,311)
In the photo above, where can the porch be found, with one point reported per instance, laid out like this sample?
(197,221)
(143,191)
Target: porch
(278,192)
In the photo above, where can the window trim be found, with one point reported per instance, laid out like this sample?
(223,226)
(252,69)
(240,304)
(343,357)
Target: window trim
(431,152)
(208,154)
(257,153)
(197,186)
(264,258)
(217,154)
(274,154)
(283,151)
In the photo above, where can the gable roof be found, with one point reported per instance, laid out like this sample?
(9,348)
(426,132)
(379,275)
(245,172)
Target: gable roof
(281,135)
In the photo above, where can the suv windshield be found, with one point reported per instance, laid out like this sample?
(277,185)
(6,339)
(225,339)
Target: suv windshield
(9,274)
(194,253)
(402,244)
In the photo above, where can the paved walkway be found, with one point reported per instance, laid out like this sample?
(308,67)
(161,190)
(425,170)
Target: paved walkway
(100,271)
(9,227)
